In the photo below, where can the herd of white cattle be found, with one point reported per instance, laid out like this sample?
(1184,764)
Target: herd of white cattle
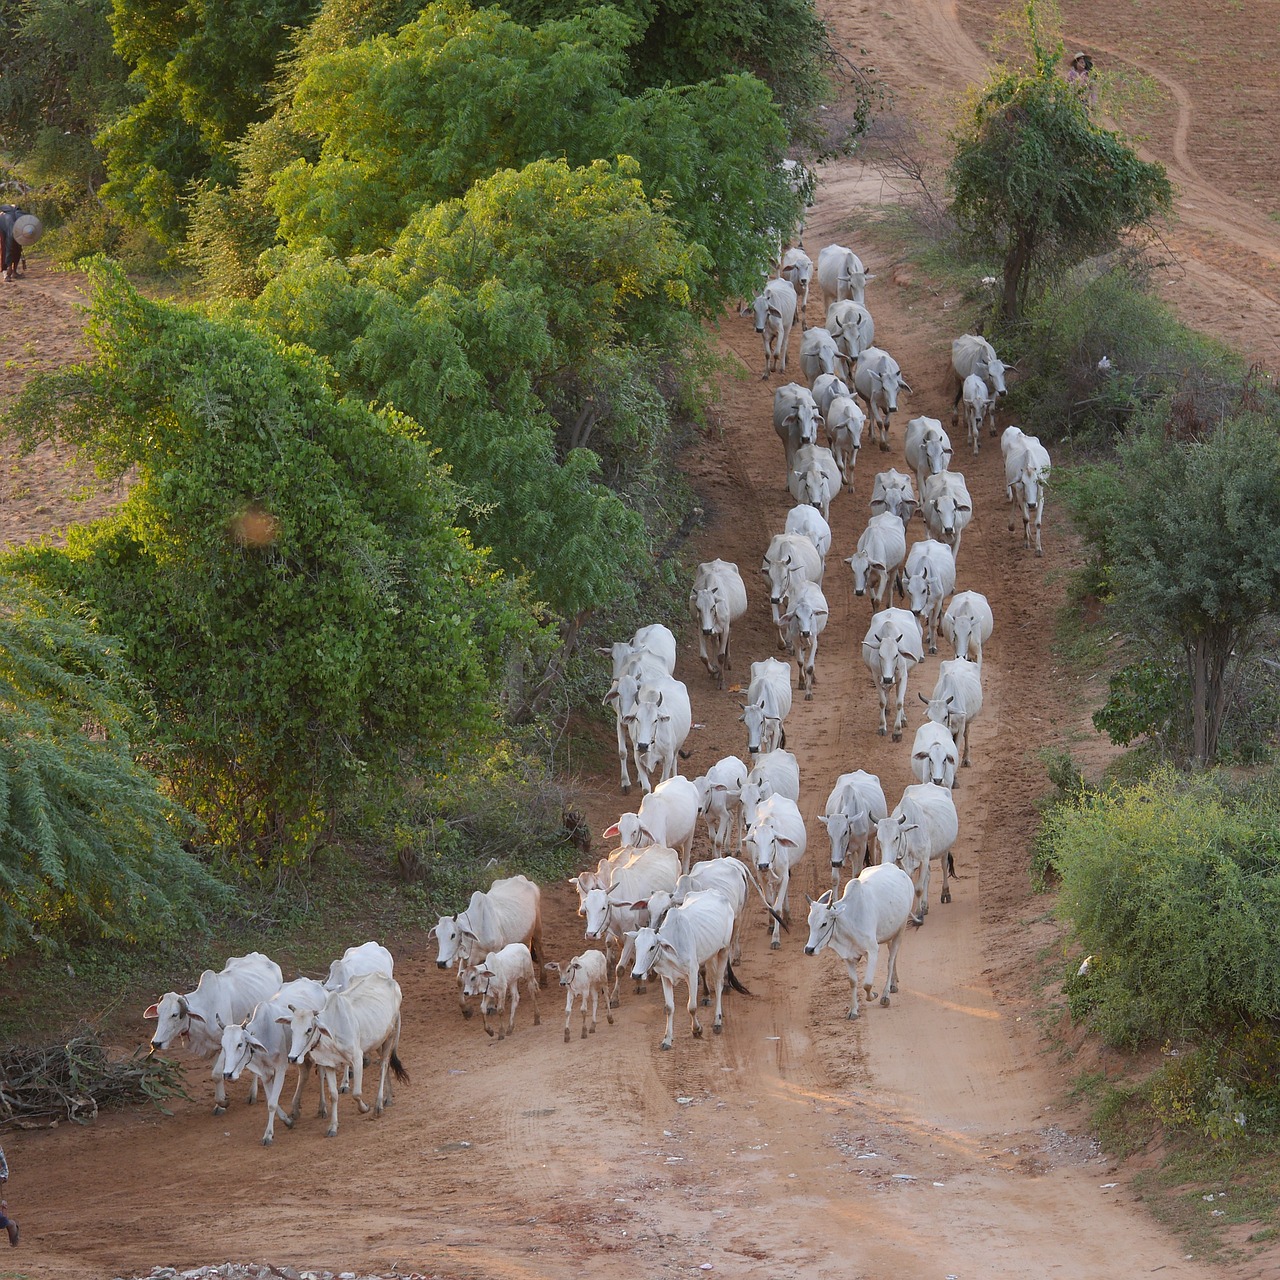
(647,905)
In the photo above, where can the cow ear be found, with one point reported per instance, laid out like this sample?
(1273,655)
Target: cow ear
(633,934)
(826,821)
(609,832)
(284,1022)
(151,1011)
(785,842)
(256,1045)
(195,1017)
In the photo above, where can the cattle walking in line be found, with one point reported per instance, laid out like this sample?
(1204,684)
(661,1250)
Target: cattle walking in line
(882,548)
(892,492)
(668,816)
(658,724)
(776,840)
(956,701)
(892,646)
(797,271)
(820,357)
(717,600)
(947,508)
(496,980)
(879,381)
(806,619)
(844,422)
(967,624)
(921,830)
(927,580)
(841,276)
(974,355)
(928,448)
(815,478)
(810,523)
(978,405)
(1026,471)
(720,802)
(788,554)
(650,654)
(853,329)
(585,977)
(934,756)
(775,313)
(796,419)
(855,805)
(767,706)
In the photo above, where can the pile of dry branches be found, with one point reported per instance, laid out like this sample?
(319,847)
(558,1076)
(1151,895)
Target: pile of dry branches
(43,1085)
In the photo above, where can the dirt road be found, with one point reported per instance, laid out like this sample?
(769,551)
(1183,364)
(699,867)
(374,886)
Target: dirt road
(929,1139)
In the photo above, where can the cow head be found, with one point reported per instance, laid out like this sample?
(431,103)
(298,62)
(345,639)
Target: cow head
(822,922)
(173,1019)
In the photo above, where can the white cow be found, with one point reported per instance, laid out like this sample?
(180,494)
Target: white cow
(947,507)
(855,805)
(803,183)
(809,522)
(650,653)
(874,909)
(967,624)
(806,619)
(928,448)
(826,387)
(892,491)
(956,700)
(720,802)
(1026,472)
(928,579)
(878,381)
(775,313)
(717,599)
(851,325)
(841,275)
(882,547)
(819,355)
(971,354)
(368,957)
(844,423)
(767,706)
(658,725)
(797,271)
(788,554)
(726,876)
(815,478)
(978,404)
(934,757)
(509,910)
(496,980)
(361,1019)
(667,816)
(260,1045)
(774,772)
(694,935)
(921,829)
(775,842)
(796,418)
(218,1000)
(585,977)
(891,647)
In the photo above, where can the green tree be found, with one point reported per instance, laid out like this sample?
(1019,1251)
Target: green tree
(286,574)
(1190,528)
(1037,182)
(87,842)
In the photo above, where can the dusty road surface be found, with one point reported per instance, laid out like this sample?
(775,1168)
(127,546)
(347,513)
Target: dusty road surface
(931,1138)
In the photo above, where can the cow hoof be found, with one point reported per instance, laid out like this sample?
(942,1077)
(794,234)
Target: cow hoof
(344,1088)
(488,1031)
(946,897)
(1039,552)
(718,1028)
(808,697)
(466,1013)
(897,737)
(537,1020)
(331,1133)
(774,945)
(882,732)
(666,1045)
(641,989)
(854,1015)
(219,1109)
(287,1121)
(266,1142)
(884,1000)
(607,1015)
(626,790)
(933,648)
(697,1032)
(916,923)
(614,1004)
(566,1035)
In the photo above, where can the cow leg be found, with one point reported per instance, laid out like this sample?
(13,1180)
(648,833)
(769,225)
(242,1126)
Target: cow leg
(533,996)
(568,1016)
(717,966)
(1039,516)
(873,956)
(329,1078)
(891,978)
(835,880)
(691,981)
(669,1004)
(219,1086)
(851,967)
(357,1081)
(883,694)
(274,1087)
(624,753)
(295,1108)
(946,879)
(900,720)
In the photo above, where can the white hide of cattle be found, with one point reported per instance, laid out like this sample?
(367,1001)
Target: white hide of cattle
(934,757)
(585,977)
(841,276)
(720,802)
(893,492)
(368,957)
(808,521)
(788,554)
(1026,473)
(947,507)
(921,829)
(796,418)
(819,355)
(826,387)
(667,816)
(873,910)
(775,842)
(697,933)
(497,982)
(797,271)
(815,478)
(775,313)
(878,380)
(973,355)
(509,910)
(804,183)
(967,624)
(928,448)
(891,647)
(806,619)
(774,772)
(658,725)
(767,706)
(928,579)
(882,547)
(363,1018)
(218,1000)
(844,423)
(717,599)
(651,652)
(956,700)
(855,805)
(725,876)
(978,403)
(853,329)
(260,1045)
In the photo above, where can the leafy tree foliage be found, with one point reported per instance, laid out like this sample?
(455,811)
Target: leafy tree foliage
(203,70)
(87,842)
(1036,181)
(1190,529)
(285,572)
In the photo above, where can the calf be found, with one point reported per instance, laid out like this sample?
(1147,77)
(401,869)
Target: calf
(978,404)
(1026,470)
(797,271)
(720,802)
(497,981)
(585,977)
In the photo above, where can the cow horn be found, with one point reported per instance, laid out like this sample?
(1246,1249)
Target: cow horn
(922,698)
(183,1007)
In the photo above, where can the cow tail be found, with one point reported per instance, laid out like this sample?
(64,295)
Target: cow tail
(732,979)
(398,1067)
(951,864)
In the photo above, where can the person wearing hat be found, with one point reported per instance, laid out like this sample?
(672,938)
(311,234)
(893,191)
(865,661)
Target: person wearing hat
(1078,72)
(17,230)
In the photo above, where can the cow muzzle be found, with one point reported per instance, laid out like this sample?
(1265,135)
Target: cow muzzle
(810,951)
(708,631)
(442,964)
